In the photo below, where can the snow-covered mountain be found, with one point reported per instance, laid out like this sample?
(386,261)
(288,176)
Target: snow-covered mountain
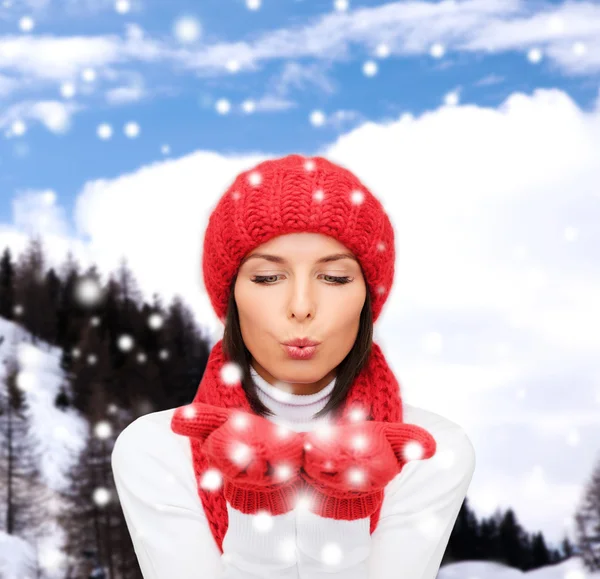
(58,435)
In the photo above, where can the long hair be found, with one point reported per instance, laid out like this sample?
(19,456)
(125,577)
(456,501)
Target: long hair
(346,371)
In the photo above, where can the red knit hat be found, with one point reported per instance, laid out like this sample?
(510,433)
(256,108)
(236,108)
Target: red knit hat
(297,194)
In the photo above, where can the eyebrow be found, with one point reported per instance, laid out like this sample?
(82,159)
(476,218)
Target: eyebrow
(279,259)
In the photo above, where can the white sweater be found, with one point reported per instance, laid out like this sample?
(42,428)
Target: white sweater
(157,490)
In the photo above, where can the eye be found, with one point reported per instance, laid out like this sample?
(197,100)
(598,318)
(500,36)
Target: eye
(262,279)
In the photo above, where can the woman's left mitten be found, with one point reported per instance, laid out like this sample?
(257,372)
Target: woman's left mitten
(346,467)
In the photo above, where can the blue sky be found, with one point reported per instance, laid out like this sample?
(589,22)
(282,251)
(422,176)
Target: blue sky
(174,101)
(477,124)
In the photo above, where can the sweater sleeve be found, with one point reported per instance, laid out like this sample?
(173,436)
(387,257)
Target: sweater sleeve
(155,484)
(422,506)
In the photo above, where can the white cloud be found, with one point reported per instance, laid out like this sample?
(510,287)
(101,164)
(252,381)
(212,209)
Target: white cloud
(54,115)
(125,94)
(568,35)
(480,200)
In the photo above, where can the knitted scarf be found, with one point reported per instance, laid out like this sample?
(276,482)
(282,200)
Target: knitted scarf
(375,392)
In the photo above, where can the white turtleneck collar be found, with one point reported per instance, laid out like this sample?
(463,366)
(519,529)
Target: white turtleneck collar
(294,410)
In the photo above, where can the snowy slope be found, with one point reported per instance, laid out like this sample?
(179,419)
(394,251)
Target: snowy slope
(59,435)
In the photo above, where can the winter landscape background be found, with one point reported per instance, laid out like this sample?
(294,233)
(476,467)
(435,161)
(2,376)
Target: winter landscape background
(477,124)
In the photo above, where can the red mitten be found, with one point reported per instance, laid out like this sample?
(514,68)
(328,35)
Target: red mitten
(346,467)
(258,459)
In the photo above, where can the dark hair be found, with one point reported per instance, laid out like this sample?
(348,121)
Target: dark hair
(235,349)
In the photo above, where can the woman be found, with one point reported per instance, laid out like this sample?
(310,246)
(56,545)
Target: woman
(294,462)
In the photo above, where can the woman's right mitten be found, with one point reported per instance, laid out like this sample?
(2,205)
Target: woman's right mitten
(258,459)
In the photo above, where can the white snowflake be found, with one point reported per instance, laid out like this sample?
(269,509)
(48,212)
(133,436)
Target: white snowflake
(579,49)
(187,29)
(103,429)
(262,521)
(223,106)
(88,74)
(101,496)
(232,65)
(370,68)
(437,50)
(131,129)
(534,55)
(155,321)
(18,127)
(317,118)
(212,480)
(125,342)
(122,6)
(104,131)
(248,106)
(67,90)
(357,197)
(331,554)
(382,50)
(231,373)
(26,23)
(255,178)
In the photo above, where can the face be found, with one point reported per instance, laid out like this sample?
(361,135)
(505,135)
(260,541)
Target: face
(299,297)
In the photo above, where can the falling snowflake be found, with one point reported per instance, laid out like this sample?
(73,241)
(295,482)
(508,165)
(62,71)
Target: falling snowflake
(534,55)
(437,50)
(212,480)
(67,90)
(26,24)
(104,131)
(88,291)
(255,178)
(451,98)
(103,429)
(122,6)
(253,4)
(26,381)
(232,65)
(556,24)
(318,195)
(413,450)
(101,496)
(248,106)
(131,130)
(240,454)
(125,342)
(231,373)
(317,118)
(155,321)
(223,106)
(579,49)
(262,521)
(370,68)
(165,149)
(341,5)
(187,29)
(88,74)
(18,128)
(357,197)
(331,554)
(382,50)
